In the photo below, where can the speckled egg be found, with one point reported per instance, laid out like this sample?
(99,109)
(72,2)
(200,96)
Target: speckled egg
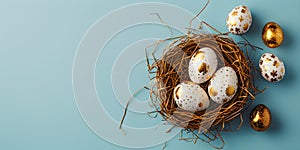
(190,97)
(202,65)
(271,67)
(239,20)
(223,85)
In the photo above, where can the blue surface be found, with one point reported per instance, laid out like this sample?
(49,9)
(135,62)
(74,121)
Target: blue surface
(38,42)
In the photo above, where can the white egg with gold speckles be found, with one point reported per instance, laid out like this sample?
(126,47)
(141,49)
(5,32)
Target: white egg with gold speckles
(190,97)
(239,20)
(203,65)
(223,85)
(271,67)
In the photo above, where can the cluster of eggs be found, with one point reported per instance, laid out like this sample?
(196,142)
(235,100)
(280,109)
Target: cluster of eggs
(223,83)
(239,21)
(271,67)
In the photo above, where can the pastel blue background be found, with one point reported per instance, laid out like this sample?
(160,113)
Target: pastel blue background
(38,41)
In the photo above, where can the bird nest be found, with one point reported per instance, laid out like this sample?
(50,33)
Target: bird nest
(172,68)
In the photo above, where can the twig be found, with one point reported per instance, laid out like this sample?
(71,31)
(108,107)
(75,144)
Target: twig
(126,107)
(162,21)
(191,21)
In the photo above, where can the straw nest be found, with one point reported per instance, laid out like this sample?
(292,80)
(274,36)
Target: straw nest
(172,68)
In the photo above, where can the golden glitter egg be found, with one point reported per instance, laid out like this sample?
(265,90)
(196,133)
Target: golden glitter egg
(260,118)
(272,35)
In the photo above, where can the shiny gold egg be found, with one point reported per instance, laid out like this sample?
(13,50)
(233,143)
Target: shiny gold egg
(272,35)
(260,118)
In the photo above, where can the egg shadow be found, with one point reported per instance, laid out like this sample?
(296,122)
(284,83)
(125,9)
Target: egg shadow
(276,124)
(288,40)
(289,76)
(256,26)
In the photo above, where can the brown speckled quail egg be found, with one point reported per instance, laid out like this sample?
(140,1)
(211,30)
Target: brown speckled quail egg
(223,85)
(271,67)
(202,65)
(190,97)
(239,20)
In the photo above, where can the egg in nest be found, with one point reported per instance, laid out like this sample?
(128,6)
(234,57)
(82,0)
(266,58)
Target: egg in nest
(223,85)
(203,65)
(190,97)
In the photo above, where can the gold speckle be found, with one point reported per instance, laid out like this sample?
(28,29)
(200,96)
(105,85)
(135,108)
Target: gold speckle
(256,118)
(241,19)
(208,77)
(203,68)
(276,64)
(212,92)
(200,55)
(282,70)
(230,91)
(265,68)
(250,17)
(243,11)
(234,13)
(178,92)
(200,104)
(268,60)
(246,25)
(232,23)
